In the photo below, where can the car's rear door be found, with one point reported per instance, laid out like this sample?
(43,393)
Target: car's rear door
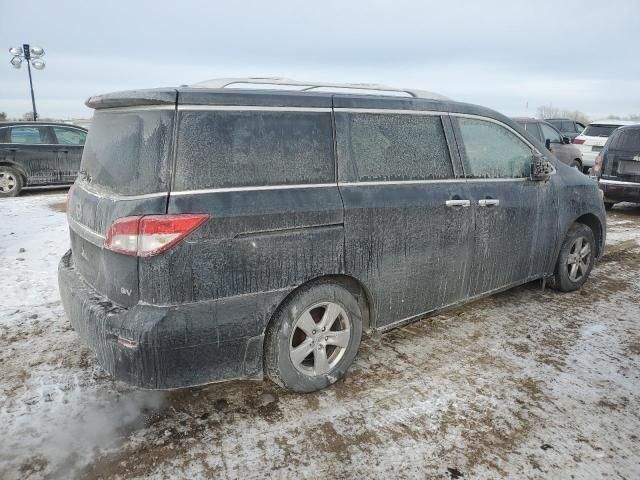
(408,225)
(70,142)
(34,151)
(515,218)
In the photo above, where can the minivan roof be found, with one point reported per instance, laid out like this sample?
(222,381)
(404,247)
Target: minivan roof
(279,83)
(614,122)
(38,123)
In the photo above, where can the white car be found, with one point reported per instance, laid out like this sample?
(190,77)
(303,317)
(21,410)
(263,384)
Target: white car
(591,141)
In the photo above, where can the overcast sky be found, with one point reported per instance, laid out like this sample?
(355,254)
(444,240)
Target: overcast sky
(502,54)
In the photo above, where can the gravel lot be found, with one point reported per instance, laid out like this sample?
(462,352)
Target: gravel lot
(525,384)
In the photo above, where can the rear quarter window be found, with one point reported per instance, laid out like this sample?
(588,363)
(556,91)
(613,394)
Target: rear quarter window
(628,140)
(126,152)
(222,149)
(388,147)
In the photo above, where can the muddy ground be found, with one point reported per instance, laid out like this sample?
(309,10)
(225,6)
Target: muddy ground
(525,384)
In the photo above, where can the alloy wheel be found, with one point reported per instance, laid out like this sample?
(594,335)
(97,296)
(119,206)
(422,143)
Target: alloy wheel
(579,259)
(8,181)
(319,338)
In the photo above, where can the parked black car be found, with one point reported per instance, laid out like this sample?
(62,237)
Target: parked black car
(567,127)
(220,233)
(38,153)
(618,166)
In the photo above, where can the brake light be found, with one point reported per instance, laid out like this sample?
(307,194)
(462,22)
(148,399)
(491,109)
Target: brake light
(578,141)
(149,235)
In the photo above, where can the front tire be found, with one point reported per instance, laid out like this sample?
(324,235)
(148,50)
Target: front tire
(10,182)
(576,164)
(608,205)
(576,258)
(313,338)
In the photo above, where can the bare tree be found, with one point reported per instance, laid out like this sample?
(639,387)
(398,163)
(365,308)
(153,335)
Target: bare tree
(549,111)
(28,116)
(3,116)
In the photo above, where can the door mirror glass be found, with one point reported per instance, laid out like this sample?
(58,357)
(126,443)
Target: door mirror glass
(566,140)
(540,168)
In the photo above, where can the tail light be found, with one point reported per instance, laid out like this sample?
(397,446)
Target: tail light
(597,166)
(148,235)
(578,141)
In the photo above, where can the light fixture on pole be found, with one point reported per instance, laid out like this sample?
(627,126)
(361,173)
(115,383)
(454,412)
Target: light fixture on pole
(33,57)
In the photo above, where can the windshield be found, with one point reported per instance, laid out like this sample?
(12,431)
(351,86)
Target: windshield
(126,152)
(599,130)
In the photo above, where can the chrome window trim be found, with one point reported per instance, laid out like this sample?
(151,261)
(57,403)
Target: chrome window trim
(390,111)
(255,188)
(251,108)
(115,196)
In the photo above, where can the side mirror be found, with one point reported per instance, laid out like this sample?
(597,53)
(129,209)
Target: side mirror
(547,143)
(566,140)
(540,168)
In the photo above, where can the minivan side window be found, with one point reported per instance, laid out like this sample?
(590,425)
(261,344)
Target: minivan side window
(392,147)
(493,151)
(69,136)
(550,133)
(533,129)
(223,149)
(28,135)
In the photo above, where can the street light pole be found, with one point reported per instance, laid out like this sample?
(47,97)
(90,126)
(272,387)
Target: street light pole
(27,57)
(33,57)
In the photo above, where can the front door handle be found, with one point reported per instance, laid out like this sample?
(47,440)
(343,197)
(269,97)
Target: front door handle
(458,203)
(488,202)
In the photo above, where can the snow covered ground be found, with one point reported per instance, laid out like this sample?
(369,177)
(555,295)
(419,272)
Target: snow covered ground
(525,384)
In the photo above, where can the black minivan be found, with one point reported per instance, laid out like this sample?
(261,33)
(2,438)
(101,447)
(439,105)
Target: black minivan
(38,154)
(618,166)
(221,233)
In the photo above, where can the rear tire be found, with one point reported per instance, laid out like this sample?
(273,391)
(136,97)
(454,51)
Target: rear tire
(313,337)
(575,260)
(576,164)
(10,182)
(608,205)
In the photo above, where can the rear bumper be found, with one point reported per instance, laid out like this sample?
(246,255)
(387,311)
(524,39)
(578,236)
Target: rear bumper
(620,191)
(158,347)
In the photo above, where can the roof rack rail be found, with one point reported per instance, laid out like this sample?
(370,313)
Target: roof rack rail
(279,83)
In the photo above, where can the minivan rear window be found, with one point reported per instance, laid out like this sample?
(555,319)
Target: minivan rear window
(627,139)
(599,130)
(126,152)
(222,149)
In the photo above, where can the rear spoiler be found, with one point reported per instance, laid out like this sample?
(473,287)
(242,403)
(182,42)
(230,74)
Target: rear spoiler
(134,98)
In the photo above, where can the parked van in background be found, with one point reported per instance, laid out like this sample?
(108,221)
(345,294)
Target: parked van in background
(618,166)
(592,140)
(567,127)
(221,232)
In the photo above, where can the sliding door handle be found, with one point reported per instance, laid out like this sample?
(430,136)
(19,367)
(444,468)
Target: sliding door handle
(458,203)
(488,202)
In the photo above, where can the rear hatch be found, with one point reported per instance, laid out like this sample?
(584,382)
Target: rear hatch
(594,137)
(622,157)
(125,171)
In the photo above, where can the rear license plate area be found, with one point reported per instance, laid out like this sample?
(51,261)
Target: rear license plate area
(596,148)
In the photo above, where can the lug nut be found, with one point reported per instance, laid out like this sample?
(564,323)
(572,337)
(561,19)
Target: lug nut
(323,329)
(313,331)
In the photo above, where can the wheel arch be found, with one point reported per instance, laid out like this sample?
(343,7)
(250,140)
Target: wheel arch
(15,166)
(594,223)
(353,285)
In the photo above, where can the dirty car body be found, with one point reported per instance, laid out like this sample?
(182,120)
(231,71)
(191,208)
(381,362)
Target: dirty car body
(376,194)
(42,153)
